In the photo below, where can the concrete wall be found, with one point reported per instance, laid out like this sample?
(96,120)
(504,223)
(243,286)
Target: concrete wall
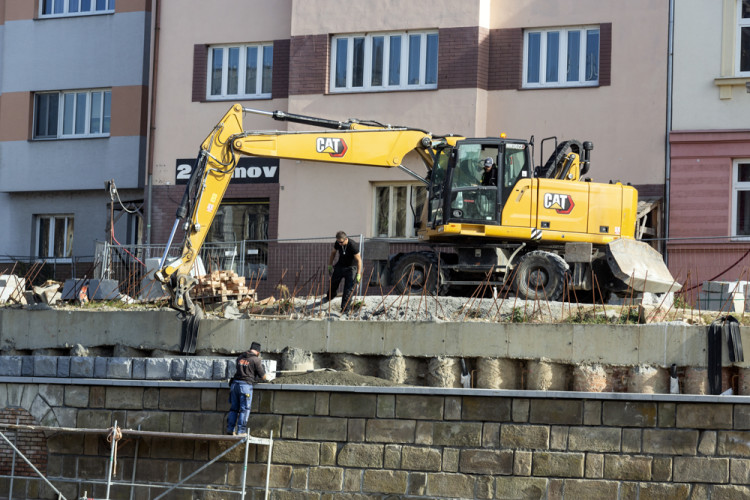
(364,443)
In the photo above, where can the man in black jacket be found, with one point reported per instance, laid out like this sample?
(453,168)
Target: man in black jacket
(348,267)
(249,371)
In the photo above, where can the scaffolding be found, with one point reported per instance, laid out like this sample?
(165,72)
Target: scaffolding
(115,433)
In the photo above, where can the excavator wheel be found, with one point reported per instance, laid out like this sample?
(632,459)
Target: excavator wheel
(415,273)
(540,275)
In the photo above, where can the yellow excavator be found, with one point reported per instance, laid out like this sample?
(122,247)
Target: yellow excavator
(543,230)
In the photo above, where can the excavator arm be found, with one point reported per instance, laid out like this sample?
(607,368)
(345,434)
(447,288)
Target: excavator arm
(349,142)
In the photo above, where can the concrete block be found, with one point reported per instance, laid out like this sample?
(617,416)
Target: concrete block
(219,371)
(45,366)
(119,368)
(27,366)
(100,367)
(11,288)
(139,369)
(81,367)
(177,369)
(151,288)
(10,366)
(63,366)
(198,369)
(158,368)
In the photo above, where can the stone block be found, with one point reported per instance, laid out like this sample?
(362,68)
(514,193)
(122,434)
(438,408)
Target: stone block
(558,437)
(94,419)
(704,416)
(629,413)
(45,366)
(289,427)
(522,463)
(492,462)
(65,417)
(667,414)
(528,488)
(361,455)
(81,367)
(63,367)
(327,453)
(527,437)
(729,492)
(219,370)
(171,398)
(129,398)
(296,453)
(322,429)
(735,443)
(157,421)
(195,422)
(30,393)
(450,485)
(602,439)
(700,470)
(158,368)
(326,478)
(631,440)
(39,408)
(452,409)
(592,413)
(139,369)
(627,467)
(457,434)
(356,430)
(385,481)
(177,368)
(586,489)
(417,484)
(352,480)
(199,369)
(294,403)
(353,405)
(739,471)
(322,403)
(550,463)
(520,410)
(390,431)
(52,394)
(100,367)
(661,469)
(486,409)
(27,366)
(707,443)
(151,398)
(423,433)
(208,399)
(96,397)
(392,457)
(594,468)
(120,368)
(386,406)
(231,368)
(10,366)
(419,407)
(556,411)
(491,435)
(670,441)
(421,458)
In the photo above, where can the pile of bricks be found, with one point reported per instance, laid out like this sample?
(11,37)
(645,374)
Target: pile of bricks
(222,286)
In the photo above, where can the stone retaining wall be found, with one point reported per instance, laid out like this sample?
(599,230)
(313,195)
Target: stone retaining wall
(362,443)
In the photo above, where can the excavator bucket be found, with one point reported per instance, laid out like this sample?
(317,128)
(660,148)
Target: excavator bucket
(640,267)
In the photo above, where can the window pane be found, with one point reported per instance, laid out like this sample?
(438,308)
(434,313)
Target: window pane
(59,6)
(743,172)
(41,112)
(60,235)
(745,9)
(96,113)
(592,55)
(432,59)
(399,204)
(743,213)
(217,56)
(414,45)
(394,63)
(69,238)
(251,71)
(101,4)
(745,49)
(358,62)
(381,211)
(107,114)
(553,55)
(43,237)
(267,68)
(233,70)
(341,46)
(73,6)
(532,64)
(68,110)
(85,5)
(81,113)
(574,55)
(47,7)
(418,197)
(378,44)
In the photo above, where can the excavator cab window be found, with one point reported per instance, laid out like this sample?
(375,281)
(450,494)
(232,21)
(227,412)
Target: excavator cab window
(474,188)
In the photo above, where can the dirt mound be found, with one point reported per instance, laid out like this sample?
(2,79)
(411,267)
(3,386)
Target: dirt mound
(332,377)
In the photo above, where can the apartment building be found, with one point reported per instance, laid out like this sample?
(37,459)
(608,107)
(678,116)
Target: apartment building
(74,95)
(709,209)
(585,69)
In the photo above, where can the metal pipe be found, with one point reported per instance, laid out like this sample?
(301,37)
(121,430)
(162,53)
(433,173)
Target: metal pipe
(135,464)
(13,464)
(111,457)
(668,149)
(169,243)
(268,466)
(244,466)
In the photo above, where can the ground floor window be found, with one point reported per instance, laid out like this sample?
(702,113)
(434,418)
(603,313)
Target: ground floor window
(741,198)
(54,236)
(243,226)
(397,207)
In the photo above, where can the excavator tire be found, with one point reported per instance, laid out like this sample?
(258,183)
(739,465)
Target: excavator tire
(540,275)
(415,273)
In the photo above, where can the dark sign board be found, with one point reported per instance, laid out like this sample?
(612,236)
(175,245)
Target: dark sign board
(247,171)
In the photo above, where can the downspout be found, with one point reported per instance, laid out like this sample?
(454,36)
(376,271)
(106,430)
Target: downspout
(155,18)
(668,162)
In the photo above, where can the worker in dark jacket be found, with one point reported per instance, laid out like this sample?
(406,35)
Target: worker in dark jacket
(249,371)
(348,268)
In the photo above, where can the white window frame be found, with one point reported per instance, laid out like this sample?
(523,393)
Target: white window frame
(738,187)
(562,62)
(87,133)
(67,251)
(741,23)
(392,209)
(242,92)
(367,77)
(109,8)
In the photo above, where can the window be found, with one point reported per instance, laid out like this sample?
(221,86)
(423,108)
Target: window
(560,57)
(54,236)
(384,61)
(240,71)
(237,226)
(82,113)
(397,208)
(59,8)
(741,198)
(743,38)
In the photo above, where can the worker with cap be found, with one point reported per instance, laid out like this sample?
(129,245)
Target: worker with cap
(348,268)
(489,176)
(249,371)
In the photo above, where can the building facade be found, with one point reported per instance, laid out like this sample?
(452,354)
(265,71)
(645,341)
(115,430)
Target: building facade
(74,95)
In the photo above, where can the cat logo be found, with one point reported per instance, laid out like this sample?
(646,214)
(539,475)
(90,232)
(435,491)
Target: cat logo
(560,203)
(334,146)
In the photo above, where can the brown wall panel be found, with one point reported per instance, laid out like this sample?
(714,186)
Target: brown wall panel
(15,116)
(129,110)
(308,65)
